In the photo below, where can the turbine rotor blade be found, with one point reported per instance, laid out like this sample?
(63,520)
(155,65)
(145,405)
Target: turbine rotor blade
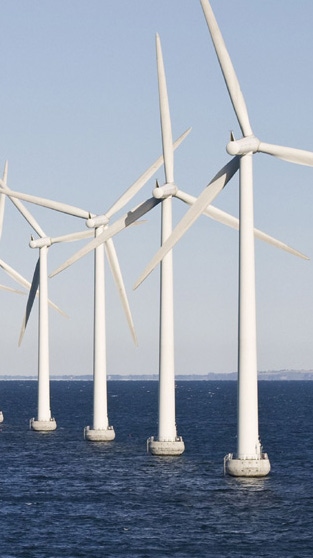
(10,290)
(165,117)
(30,301)
(23,210)
(141,181)
(228,71)
(206,197)
(130,218)
(15,275)
(290,154)
(72,237)
(49,204)
(117,275)
(233,222)
(22,281)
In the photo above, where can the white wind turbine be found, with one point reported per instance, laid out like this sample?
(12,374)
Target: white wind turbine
(167,442)
(44,421)
(101,431)
(17,277)
(249,461)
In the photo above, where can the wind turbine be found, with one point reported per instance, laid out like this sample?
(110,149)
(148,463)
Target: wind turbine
(167,442)
(8,269)
(44,421)
(250,459)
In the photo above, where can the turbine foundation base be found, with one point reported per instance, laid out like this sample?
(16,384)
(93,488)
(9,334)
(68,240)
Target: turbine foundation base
(162,447)
(42,425)
(258,467)
(1,416)
(99,435)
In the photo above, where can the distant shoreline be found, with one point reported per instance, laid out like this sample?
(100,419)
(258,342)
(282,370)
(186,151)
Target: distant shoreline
(274,375)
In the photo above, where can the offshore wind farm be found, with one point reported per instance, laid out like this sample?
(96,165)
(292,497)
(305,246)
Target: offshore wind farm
(242,151)
(86,102)
(246,131)
(250,459)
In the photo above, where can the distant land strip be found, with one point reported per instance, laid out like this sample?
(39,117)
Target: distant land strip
(268,375)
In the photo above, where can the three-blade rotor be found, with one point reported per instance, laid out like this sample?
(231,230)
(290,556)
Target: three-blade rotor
(253,144)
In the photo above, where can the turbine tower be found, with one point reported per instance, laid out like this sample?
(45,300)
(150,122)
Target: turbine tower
(44,421)
(101,431)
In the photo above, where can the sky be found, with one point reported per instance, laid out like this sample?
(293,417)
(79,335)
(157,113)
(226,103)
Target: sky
(79,119)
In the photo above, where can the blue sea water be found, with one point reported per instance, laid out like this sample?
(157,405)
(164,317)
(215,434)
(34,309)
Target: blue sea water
(61,496)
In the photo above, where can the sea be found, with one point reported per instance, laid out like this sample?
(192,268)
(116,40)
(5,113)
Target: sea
(64,497)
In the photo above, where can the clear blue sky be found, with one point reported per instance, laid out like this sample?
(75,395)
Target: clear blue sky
(80,122)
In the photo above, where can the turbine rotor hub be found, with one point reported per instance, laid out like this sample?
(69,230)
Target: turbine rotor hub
(40,242)
(97,221)
(249,144)
(165,191)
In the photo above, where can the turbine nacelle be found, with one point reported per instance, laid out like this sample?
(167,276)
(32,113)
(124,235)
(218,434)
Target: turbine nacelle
(40,242)
(249,144)
(162,192)
(97,221)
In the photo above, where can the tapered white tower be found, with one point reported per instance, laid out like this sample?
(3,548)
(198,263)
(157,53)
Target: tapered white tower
(249,460)
(101,431)
(44,421)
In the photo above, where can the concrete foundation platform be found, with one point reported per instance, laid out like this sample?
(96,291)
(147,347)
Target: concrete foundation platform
(1,416)
(247,467)
(99,435)
(174,447)
(43,425)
